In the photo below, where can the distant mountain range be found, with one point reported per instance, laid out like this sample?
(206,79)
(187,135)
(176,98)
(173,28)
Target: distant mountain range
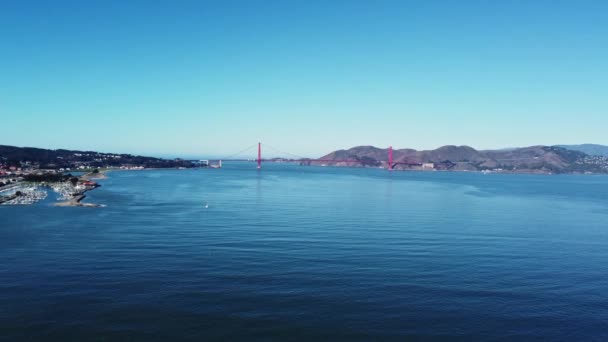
(590,149)
(534,159)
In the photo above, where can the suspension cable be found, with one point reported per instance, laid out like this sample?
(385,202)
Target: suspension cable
(285,153)
(240,152)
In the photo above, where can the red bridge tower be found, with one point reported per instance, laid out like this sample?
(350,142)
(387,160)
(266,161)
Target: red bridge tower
(259,155)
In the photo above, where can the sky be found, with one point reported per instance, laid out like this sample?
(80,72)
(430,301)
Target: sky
(210,78)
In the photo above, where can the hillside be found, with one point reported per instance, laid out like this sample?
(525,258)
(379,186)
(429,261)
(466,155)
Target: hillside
(55,159)
(533,159)
(590,149)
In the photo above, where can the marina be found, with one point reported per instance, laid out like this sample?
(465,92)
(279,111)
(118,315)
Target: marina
(67,193)
(23,195)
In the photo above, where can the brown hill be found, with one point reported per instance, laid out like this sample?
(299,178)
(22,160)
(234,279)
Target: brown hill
(545,159)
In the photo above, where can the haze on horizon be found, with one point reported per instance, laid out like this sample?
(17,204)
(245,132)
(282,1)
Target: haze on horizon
(202,78)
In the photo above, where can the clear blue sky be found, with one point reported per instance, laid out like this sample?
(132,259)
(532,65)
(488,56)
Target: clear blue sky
(201,78)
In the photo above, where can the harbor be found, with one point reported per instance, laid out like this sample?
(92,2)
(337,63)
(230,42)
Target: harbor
(23,195)
(69,192)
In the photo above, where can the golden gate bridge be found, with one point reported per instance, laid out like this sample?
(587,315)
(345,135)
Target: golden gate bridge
(295,158)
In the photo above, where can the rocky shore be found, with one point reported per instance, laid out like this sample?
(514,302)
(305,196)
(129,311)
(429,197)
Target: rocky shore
(73,195)
(76,202)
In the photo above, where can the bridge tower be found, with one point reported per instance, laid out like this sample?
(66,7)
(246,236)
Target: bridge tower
(390,158)
(259,155)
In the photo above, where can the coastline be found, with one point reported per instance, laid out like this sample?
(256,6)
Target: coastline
(76,200)
(74,196)
(502,172)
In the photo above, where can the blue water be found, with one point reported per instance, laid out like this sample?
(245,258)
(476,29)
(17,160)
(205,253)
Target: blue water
(304,253)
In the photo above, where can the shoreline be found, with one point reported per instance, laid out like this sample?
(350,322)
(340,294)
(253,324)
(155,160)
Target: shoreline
(502,172)
(76,200)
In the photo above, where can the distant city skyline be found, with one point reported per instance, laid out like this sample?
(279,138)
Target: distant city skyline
(209,79)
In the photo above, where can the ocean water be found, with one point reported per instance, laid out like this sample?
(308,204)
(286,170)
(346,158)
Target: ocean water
(311,253)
